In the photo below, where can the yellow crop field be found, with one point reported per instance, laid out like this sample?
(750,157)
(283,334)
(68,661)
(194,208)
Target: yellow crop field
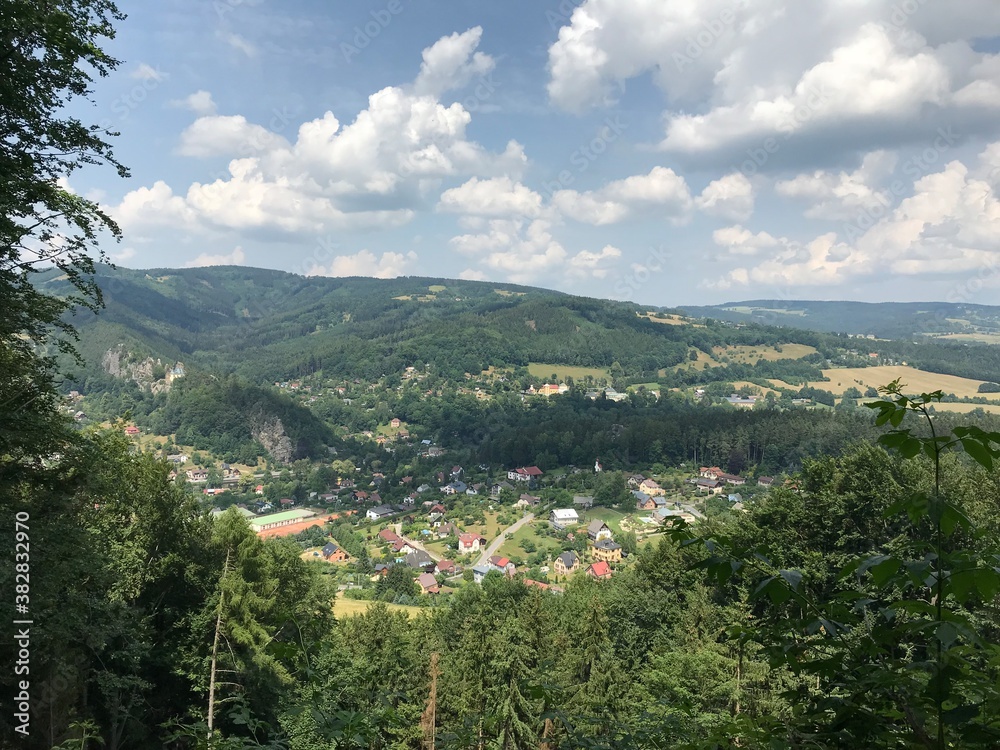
(670,320)
(916,381)
(350,607)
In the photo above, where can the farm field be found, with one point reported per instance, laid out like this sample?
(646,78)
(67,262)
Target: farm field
(916,381)
(541,370)
(350,607)
(984,338)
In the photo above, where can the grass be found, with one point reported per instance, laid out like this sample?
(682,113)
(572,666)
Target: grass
(512,547)
(436,288)
(544,371)
(350,607)
(916,381)
(490,529)
(647,386)
(505,293)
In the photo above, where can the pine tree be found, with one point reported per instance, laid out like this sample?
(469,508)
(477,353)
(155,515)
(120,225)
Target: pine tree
(513,714)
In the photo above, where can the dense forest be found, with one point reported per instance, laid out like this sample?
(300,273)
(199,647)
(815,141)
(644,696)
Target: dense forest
(267,326)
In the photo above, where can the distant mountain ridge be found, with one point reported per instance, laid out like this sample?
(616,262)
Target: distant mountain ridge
(881,319)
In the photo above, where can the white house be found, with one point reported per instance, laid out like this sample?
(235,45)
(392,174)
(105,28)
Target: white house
(563,517)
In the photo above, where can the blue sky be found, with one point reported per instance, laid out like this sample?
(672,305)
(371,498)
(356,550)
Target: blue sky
(681,152)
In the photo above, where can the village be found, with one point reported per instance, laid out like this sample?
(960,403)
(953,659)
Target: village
(460,527)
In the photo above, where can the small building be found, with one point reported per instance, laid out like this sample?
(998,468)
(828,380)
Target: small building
(468,543)
(428,583)
(765,481)
(499,487)
(598,530)
(742,403)
(419,560)
(608,551)
(583,502)
(529,474)
(380,512)
(479,572)
(650,487)
(502,565)
(566,564)
(528,501)
(447,567)
(276,520)
(388,535)
(600,570)
(563,518)
(711,486)
(333,553)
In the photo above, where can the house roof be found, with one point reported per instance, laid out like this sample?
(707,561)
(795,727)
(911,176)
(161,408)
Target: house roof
(383,510)
(531,471)
(568,558)
(535,584)
(418,559)
(427,580)
(388,534)
(330,548)
(599,569)
(470,538)
(500,562)
(607,544)
(446,565)
(587,500)
(595,526)
(565,514)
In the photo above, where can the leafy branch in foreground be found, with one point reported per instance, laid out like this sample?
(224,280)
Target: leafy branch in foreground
(893,654)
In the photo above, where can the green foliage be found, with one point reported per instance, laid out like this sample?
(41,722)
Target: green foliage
(895,639)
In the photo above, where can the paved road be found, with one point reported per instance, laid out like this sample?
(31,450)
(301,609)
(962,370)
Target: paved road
(495,544)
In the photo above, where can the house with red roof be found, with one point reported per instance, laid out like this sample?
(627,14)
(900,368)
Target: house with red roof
(530,474)
(428,583)
(600,570)
(470,543)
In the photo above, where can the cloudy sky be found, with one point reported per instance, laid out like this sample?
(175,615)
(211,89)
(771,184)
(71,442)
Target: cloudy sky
(665,151)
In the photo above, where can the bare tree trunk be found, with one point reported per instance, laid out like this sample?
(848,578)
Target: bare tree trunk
(429,719)
(215,654)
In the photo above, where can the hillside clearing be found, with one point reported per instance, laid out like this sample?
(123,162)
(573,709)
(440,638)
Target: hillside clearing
(350,607)
(982,338)
(541,370)
(670,320)
(916,381)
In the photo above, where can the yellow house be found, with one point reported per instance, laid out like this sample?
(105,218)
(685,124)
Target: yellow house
(566,564)
(607,551)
